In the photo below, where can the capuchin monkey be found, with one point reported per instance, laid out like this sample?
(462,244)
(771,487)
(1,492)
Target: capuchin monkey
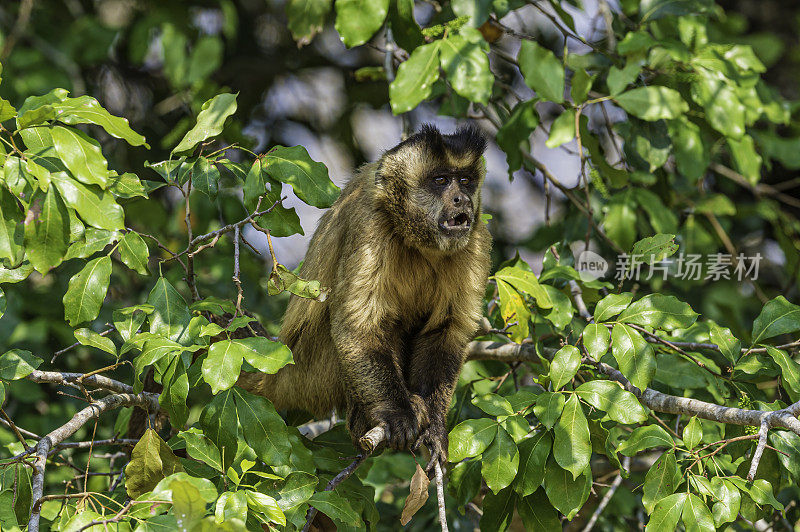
(406,255)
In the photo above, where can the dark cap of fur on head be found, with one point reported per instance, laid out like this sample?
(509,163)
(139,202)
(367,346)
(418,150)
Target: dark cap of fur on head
(467,143)
(467,139)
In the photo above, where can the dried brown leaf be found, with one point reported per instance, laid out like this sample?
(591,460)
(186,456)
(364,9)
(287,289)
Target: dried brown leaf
(417,496)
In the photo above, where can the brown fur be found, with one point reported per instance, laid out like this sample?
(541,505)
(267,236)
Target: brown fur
(388,344)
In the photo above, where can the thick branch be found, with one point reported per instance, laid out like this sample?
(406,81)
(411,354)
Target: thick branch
(76,379)
(145,400)
(660,402)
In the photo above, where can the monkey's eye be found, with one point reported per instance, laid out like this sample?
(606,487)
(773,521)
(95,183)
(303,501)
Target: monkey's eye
(464,181)
(440,180)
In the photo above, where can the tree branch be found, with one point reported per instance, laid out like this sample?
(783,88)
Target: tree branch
(145,400)
(75,380)
(660,402)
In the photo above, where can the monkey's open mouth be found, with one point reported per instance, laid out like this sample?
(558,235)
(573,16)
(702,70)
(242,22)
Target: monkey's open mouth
(458,222)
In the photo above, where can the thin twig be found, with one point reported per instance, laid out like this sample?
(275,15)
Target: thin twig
(76,344)
(368,443)
(626,462)
(440,496)
(145,400)
(762,442)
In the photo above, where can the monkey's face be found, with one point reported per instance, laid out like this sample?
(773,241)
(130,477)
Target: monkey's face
(454,197)
(430,185)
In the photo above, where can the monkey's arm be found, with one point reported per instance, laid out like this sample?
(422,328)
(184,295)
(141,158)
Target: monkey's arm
(437,358)
(376,391)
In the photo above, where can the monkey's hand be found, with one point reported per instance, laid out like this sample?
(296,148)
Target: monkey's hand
(436,440)
(403,425)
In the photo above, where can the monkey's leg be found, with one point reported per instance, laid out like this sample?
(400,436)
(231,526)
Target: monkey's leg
(436,360)
(377,393)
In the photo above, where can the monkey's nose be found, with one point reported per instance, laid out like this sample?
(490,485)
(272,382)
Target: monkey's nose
(458,198)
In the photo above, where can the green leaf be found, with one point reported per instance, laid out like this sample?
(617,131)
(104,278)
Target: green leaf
(282,279)
(262,427)
(727,343)
(562,130)
(548,408)
(231,505)
(466,64)
(660,312)
(306,18)
(17,364)
(87,290)
(500,461)
(661,480)
(579,85)
(513,309)
(171,316)
(265,355)
(572,448)
(696,515)
(526,282)
(619,78)
(81,155)
(92,241)
(493,404)
(96,340)
(205,177)
(209,122)
(199,447)
(692,433)
(561,313)
(542,70)
(724,110)
(219,422)
(667,513)
(634,355)
(620,405)
(298,489)
(533,453)
(537,513)
(405,29)
(647,144)
(96,207)
(187,504)
(336,507)
(728,501)
(151,460)
(565,364)
(11,229)
(471,438)
(566,493)
(790,372)
(127,185)
(128,320)
(691,156)
(134,253)
(47,232)
(222,365)
(6,110)
(415,78)
(596,339)
(643,438)
(266,506)
(620,220)
(176,389)
(652,103)
(654,248)
(86,110)
(3,304)
(745,158)
(309,179)
(358,20)
(515,132)
(777,317)
(611,305)
(477,10)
